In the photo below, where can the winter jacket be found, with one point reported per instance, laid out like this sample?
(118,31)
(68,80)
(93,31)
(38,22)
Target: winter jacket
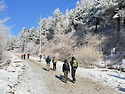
(48,60)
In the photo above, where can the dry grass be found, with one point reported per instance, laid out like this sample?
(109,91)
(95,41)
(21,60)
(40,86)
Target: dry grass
(62,48)
(90,52)
(87,55)
(94,40)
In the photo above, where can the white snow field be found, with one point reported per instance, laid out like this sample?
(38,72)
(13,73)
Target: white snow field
(30,77)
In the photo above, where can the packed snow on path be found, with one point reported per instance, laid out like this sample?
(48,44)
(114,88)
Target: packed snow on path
(113,78)
(31,77)
(107,77)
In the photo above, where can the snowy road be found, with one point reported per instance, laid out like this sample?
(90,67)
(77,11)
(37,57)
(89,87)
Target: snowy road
(36,80)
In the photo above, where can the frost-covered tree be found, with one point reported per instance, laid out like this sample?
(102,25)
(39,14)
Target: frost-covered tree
(46,27)
(32,40)
(66,23)
(30,35)
(1,44)
(28,40)
(11,43)
(22,39)
(95,12)
(58,20)
(3,29)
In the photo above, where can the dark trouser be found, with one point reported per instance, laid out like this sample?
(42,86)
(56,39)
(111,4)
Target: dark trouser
(24,57)
(54,66)
(65,76)
(73,74)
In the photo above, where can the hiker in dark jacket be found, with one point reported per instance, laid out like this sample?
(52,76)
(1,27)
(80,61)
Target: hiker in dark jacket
(74,66)
(48,60)
(24,56)
(28,55)
(66,69)
(40,56)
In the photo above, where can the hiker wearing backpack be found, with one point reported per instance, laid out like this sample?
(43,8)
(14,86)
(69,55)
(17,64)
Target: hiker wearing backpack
(48,60)
(66,69)
(24,55)
(74,65)
(54,63)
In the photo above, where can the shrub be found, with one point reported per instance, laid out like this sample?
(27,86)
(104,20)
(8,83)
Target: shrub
(87,55)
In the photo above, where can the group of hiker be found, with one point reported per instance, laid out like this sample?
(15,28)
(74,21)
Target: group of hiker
(23,56)
(48,60)
(65,67)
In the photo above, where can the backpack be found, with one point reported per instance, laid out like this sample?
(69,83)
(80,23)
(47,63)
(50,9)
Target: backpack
(48,60)
(66,66)
(74,64)
(54,60)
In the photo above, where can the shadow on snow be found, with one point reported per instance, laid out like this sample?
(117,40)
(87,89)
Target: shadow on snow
(120,88)
(61,77)
(116,76)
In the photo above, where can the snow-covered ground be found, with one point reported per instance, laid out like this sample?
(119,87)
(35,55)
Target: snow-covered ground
(20,79)
(9,76)
(113,78)
(109,77)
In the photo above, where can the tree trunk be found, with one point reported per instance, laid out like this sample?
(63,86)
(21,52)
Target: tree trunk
(124,22)
(0,55)
(118,24)
(97,23)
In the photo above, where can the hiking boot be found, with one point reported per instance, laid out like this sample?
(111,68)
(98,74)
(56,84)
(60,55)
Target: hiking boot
(72,81)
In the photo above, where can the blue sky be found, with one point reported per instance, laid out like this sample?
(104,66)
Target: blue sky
(25,13)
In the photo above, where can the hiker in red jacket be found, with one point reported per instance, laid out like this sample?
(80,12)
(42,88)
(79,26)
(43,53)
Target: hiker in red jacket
(21,56)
